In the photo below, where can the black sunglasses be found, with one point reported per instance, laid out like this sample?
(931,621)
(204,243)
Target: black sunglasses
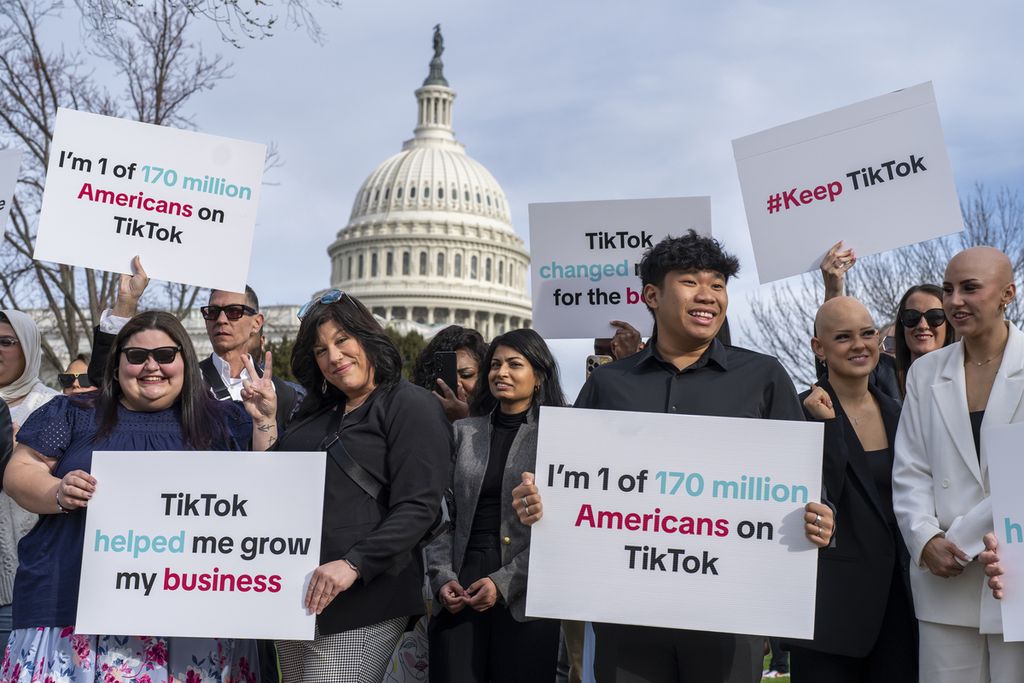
(934,317)
(163,355)
(232,311)
(67,379)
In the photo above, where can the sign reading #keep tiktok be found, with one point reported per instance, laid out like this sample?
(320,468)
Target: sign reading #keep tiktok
(875,175)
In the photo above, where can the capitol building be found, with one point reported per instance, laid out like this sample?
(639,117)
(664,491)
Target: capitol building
(430,241)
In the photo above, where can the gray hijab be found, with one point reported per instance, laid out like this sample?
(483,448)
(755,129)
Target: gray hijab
(28,336)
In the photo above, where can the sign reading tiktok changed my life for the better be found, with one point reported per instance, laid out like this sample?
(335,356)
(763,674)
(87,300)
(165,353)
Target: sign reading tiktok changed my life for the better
(201,544)
(185,202)
(585,258)
(675,521)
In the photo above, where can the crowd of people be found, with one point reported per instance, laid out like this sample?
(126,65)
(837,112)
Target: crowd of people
(430,482)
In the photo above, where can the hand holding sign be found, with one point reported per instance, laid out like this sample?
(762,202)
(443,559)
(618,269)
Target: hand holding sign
(993,570)
(328,581)
(526,500)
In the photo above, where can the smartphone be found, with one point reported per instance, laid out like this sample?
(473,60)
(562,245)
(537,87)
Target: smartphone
(446,368)
(594,360)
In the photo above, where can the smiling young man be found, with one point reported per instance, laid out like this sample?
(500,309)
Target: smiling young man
(685,369)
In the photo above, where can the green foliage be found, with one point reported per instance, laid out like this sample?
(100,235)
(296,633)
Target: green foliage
(282,352)
(410,346)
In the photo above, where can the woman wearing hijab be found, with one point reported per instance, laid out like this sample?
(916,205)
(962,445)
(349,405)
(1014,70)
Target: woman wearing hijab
(22,392)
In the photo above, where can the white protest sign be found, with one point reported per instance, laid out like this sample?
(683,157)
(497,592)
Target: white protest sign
(676,521)
(1005,472)
(10,163)
(233,537)
(874,174)
(185,202)
(584,258)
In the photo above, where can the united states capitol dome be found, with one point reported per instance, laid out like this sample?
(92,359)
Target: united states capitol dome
(430,239)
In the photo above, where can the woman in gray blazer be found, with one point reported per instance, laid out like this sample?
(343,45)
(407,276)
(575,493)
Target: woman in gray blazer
(478,569)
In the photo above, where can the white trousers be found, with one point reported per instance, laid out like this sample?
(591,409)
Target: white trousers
(959,654)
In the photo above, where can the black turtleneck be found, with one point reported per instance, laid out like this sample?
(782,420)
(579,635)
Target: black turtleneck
(504,427)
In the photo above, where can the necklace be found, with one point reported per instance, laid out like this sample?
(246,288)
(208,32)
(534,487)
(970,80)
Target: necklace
(984,362)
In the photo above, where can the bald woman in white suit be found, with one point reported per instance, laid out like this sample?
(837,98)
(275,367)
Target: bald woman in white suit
(940,473)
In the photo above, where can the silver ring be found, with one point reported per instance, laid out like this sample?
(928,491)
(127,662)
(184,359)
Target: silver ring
(818,533)
(527,508)
(817,521)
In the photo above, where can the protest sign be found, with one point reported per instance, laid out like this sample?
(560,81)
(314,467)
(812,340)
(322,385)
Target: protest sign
(874,174)
(10,163)
(675,521)
(201,544)
(1001,446)
(185,202)
(584,258)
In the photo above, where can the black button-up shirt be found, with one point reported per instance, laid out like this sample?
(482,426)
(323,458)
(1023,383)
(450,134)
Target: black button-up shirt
(726,381)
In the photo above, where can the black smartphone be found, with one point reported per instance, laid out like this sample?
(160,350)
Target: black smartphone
(446,368)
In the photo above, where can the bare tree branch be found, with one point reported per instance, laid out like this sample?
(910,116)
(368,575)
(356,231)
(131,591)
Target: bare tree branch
(783,314)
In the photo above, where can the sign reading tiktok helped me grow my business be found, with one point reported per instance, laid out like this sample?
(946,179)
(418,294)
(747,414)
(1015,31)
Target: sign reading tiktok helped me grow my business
(675,521)
(201,544)
(185,202)
(585,257)
(874,174)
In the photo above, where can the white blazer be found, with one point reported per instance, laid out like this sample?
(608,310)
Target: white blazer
(938,485)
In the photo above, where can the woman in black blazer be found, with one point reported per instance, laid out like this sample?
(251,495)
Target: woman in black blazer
(478,569)
(864,628)
(394,436)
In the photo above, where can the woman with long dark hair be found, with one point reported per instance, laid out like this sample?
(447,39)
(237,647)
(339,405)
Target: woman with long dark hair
(921,328)
(389,449)
(478,569)
(153,399)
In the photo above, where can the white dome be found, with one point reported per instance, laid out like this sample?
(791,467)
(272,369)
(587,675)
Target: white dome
(430,237)
(431,177)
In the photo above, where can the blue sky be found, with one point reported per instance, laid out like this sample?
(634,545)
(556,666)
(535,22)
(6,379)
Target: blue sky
(579,100)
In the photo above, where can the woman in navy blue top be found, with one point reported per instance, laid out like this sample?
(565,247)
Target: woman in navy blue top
(152,399)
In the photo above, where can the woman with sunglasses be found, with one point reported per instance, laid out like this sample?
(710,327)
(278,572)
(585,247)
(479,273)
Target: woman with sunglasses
(75,380)
(153,399)
(940,472)
(24,393)
(389,452)
(477,570)
(921,329)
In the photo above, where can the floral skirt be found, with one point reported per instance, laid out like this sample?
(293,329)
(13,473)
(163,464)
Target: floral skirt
(59,655)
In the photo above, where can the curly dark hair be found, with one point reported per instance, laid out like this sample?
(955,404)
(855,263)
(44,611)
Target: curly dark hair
(352,316)
(202,423)
(533,348)
(451,338)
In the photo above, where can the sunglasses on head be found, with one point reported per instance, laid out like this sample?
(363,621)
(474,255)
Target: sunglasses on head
(329,297)
(67,379)
(8,342)
(163,355)
(933,316)
(231,312)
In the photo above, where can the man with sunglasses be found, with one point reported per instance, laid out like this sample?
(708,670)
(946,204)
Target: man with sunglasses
(233,322)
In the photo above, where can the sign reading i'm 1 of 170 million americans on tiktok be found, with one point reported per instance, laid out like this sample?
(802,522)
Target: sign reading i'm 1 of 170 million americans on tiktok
(185,202)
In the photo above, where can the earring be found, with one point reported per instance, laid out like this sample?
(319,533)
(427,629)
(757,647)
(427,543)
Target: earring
(323,389)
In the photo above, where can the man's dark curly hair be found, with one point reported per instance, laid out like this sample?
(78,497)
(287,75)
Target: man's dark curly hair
(688,254)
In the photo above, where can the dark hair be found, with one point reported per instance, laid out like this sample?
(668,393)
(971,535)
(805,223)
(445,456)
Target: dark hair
(533,348)
(201,427)
(451,338)
(689,254)
(251,299)
(899,332)
(350,315)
